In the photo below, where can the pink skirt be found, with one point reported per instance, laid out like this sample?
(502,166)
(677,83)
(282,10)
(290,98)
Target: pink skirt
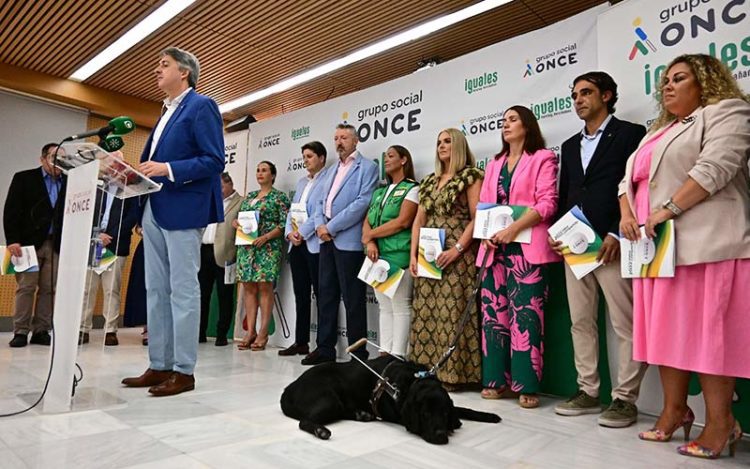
(697,321)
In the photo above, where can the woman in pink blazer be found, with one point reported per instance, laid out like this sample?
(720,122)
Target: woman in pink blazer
(514,286)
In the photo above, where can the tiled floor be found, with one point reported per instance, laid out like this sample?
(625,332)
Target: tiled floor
(233,420)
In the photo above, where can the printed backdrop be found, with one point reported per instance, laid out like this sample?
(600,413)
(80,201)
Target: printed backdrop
(632,41)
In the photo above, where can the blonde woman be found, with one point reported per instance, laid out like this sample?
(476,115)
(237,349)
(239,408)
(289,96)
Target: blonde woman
(448,199)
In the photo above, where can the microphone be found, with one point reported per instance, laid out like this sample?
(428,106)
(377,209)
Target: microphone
(119,125)
(111,143)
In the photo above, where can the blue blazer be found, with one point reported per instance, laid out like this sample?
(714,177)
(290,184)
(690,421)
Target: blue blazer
(307,229)
(193,144)
(350,204)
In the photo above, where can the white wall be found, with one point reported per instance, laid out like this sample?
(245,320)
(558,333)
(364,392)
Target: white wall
(26,124)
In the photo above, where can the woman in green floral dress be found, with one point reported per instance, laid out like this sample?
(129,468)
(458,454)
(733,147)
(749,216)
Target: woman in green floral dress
(448,199)
(259,264)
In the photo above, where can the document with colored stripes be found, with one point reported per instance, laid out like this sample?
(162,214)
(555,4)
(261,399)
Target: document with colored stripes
(649,258)
(581,244)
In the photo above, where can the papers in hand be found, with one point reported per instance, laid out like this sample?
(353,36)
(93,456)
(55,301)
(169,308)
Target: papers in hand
(230,273)
(298,215)
(581,244)
(381,276)
(491,218)
(26,262)
(431,244)
(649,258)
(108,258)
(247,232)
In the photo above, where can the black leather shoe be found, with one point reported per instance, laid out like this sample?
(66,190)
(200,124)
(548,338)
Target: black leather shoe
(221,342)
(19,340)
(83,338)
(316,358)
(40,338)
(295,349)
(202,339)
(110,339)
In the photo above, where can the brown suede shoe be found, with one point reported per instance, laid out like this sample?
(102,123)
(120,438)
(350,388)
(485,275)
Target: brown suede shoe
(147,379)
(176,384)
(295,349)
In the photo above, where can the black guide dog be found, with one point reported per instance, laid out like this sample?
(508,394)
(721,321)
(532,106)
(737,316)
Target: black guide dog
(344,391)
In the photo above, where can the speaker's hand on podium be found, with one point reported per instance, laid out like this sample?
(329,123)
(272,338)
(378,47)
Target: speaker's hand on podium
(154,168)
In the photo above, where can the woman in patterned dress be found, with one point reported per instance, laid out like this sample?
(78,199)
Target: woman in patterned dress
(514,286)
(448,199)
(259,264)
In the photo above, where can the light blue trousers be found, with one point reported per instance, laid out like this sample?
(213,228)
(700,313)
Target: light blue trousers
(172,260)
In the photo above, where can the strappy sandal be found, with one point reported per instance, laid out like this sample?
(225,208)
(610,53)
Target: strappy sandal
(528,401)
(247,343)
(259,345)
(493,393)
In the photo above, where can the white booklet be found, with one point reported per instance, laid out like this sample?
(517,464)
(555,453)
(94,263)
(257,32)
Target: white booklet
(431,245)
(581,244)
(298,215)
(491,218)
(247,232)
(381,276)
(649,258)
(26,262)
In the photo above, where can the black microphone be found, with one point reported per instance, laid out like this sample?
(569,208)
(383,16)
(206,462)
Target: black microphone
(119,125)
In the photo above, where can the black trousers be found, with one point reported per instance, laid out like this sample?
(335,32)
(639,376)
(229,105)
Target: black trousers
(338,277)
(304,267)
(209,275)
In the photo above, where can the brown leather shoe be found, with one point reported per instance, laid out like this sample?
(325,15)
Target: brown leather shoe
(147,379)
(176,384)
(111,339)
(295,349)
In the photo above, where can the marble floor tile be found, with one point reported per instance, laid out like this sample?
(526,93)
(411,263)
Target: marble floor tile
(28,430)
(104,450)
(233,420)
(182,461)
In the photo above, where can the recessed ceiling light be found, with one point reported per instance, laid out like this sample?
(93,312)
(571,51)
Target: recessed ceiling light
(147,26)
(369,51)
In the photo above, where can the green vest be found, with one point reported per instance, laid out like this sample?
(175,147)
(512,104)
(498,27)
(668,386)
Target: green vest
(395,248)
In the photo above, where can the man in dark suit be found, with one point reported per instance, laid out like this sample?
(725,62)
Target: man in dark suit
(592,165)
(185,152)
(33,217)
(114,218)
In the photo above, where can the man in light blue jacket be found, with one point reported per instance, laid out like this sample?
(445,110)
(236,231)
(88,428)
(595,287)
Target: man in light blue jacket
(304,245)
(347,187)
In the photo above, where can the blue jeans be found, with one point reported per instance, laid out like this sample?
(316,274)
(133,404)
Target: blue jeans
(172,260)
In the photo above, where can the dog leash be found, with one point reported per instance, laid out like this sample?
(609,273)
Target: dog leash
(470,305)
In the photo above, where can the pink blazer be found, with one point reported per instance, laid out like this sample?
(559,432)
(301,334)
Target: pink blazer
(534,185)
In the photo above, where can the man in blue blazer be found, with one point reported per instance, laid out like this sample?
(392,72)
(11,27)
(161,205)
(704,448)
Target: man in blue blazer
(185,153)
(347,187)
(304,245)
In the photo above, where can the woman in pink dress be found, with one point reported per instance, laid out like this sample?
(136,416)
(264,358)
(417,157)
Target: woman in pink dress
(692,168)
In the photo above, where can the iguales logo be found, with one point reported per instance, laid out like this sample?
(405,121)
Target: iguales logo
(482,82)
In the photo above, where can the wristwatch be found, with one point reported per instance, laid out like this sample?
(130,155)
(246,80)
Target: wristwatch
(669,205)
(459,248)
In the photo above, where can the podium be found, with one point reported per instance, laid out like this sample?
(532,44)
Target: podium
(84,164)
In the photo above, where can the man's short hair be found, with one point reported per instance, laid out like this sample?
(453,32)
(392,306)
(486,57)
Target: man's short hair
(46,148)
(186,61)
(604,82)
(349,127)
(226,178)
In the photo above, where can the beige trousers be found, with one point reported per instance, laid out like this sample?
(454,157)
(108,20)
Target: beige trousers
(583,299)
(41,284)
(111,281)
